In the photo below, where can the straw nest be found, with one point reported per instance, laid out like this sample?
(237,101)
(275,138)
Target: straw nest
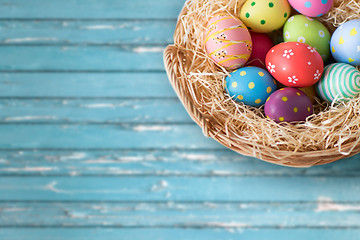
(331,133)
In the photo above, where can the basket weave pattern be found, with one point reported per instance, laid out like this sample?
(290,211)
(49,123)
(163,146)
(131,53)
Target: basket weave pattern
(179,65)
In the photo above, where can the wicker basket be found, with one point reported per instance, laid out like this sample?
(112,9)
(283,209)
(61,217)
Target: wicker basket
(176,57)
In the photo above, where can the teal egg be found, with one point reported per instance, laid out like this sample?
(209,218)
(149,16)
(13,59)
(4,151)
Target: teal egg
(250,85)
(339,81)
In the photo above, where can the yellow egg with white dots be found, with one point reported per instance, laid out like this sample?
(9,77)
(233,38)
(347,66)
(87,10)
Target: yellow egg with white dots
(250,85)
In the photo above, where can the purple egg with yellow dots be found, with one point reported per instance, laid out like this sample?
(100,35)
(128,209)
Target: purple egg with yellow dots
(288,105)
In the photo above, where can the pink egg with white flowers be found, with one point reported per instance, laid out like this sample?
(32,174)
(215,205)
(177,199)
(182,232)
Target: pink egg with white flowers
(312,8)
(228,41)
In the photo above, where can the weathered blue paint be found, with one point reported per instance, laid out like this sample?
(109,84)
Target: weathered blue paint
(237,215)
(93,9)
(128,135)
(211,233)
(173,188)
(85,85)
(82,58)
(91,32)
(93,111)
(156,162)
(95,145)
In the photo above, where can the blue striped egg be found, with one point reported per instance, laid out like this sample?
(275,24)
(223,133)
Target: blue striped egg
(339,81)
(250,85)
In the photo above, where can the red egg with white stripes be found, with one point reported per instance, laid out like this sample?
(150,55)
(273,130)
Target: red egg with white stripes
(228,41)
(295,64)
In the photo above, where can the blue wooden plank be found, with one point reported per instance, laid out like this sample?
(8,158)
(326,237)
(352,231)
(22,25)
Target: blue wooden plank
(93,9)
(181,234)
(80,85)
(93,111)
(79,58)
(205,163)
(137,136)
(69,32)
(164,188)
(244,215)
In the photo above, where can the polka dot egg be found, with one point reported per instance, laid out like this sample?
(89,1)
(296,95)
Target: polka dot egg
(288,105)
(265,16)
(345,43)
(312,8)
(250,85)
(339,81)
(228,41)
(303,29)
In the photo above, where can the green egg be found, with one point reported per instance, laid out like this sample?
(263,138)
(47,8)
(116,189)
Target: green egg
(300,28)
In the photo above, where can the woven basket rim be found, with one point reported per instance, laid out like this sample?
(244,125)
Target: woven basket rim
(210,129)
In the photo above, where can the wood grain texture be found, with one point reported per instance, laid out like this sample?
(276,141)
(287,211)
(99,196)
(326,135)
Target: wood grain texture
(180,233)
(85,85)
(90,9)
(90,32)
(121,136)
(95,144)
(80,58)
(157,162)
(93,111)
(178,188)
(240,215)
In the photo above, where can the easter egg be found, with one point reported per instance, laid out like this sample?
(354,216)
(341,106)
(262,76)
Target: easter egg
(303,29)
(261,43)
(228,41)
(312,8)
(295,64)
(250,85)
(288,105)
(339,81)
(345,43)
(265,15)
(310,92)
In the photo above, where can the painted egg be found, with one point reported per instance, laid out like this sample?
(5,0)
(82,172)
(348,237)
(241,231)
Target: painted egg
(265,15)
(339,81)
(295,64)
(250,85)
(228,41)
(310,92)
(312,8)
(303,29)
(345,43)
(262,43)
(288,105)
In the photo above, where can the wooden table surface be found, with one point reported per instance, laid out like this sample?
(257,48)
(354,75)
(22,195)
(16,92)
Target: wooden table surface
(95,144)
